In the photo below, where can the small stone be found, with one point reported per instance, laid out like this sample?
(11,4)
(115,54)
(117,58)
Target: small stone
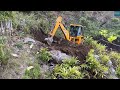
(26,40)
(31,46)
(44,68)
(109,63)
(14,55)
(112,70)
(96,56)
(30,67)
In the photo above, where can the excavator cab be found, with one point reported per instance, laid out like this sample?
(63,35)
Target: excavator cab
(76,33)
(76,30)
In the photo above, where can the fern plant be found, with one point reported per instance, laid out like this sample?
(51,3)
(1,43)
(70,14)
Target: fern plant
(4,52)
(32,72)
(71,62)
(112,38)
(44,55)
(95,66)
(67,72)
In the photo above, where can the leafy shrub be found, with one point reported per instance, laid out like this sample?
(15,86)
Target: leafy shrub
(115,58)
(67,72)
(2,39)
(71,62)
(69,69)
(5,15)
(19,45)
(108,35)
(44,55)
(4,54)
(32,72)
(4,51)
(118,71)
(24,22)
(91,27)
(103,33)
(112,38)
(115,19)
(95,66)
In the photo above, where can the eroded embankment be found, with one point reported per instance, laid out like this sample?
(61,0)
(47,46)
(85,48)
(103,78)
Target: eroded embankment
(65,46)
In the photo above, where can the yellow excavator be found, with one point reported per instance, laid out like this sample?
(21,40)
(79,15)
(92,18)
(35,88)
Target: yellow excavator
(75,34)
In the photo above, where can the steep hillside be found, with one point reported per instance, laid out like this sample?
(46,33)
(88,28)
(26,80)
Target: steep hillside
(30,57)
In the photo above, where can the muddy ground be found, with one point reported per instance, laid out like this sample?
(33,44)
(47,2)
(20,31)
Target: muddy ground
(64,46)
(114,46)
(70,48)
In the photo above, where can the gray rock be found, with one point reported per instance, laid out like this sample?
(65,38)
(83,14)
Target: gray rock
(58,56)
(113,77)
(112,70)
(44,68)
(96,56)
(26,40)
(109,63)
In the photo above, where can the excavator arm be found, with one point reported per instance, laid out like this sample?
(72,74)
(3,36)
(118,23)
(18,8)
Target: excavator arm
(57,25)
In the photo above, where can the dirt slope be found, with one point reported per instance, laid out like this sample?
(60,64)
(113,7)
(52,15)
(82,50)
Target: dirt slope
(79,51)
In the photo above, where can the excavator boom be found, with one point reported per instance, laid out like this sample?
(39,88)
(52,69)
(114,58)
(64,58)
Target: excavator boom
(52,32)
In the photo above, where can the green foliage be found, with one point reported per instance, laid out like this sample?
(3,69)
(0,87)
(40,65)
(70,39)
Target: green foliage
(5,15)
(2,39)
(4,51)
(115,20)
(104,33)
(112,38)
(67,72)
(19,45)
(91,26)
(33,72)
(104,58)
(115,58)
(25,22)
(71,62)
(97,46)
(95,66)
(88,40)
(4,54)
(68,69)
(118,71)
(44,55)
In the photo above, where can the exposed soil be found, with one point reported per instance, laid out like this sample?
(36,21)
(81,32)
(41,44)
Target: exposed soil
(63,45)
(115,45)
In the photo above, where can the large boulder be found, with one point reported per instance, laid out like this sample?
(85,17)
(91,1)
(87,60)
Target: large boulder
(58,56)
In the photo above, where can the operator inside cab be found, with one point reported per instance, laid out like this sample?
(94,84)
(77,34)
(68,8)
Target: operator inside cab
(75,31)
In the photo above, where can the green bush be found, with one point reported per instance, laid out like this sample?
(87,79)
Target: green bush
(32,72)
(67,72)
(4,51)
(95,66)
(91,27)
(5,15)
(69,69)
(115,20)
(71,62)
(4,54)
(19,45)
(25,21)
(44,55)
(118,71)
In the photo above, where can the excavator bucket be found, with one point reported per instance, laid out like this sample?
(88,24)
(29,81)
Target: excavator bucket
(49,40)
